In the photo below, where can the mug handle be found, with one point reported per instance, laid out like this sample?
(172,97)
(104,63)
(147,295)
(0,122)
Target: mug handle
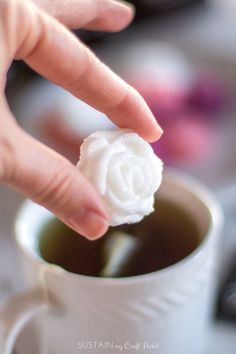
(15,314)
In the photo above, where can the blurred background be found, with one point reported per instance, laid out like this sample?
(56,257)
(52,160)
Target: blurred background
(181,56)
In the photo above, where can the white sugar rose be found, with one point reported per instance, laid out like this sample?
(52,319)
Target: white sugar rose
(125,171)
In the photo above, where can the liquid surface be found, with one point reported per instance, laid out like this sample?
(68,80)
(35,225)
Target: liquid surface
(166,236)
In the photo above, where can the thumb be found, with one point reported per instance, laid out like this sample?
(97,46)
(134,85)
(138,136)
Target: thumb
(50,180)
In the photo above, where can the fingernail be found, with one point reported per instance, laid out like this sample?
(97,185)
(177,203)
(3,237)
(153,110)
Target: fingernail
(155,133)
(161,130)
(123,3)
(89,223)
(121,11)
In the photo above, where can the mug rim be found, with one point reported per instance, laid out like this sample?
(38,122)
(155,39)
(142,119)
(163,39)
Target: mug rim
(187,182)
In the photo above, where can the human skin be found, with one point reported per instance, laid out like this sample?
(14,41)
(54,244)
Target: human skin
(37,32)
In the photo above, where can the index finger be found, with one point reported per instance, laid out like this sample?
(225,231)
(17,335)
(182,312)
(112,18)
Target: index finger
(58,55)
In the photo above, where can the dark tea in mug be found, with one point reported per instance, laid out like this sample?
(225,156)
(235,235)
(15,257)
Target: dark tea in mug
(165,237)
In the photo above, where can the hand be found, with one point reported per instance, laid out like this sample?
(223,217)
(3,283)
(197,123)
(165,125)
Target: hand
(36,33)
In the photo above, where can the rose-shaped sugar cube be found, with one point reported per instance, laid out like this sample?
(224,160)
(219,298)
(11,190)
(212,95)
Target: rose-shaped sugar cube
(125,171)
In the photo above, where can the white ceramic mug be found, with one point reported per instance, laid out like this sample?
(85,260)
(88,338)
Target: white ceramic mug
(163,312)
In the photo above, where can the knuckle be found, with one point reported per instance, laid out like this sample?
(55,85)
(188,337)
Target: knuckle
(7,157)
(77,81)
(16,18)
(56,190)
(118,105)
(30,29)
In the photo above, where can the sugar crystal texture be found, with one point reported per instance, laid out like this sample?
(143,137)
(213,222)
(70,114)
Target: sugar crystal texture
(125,171)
